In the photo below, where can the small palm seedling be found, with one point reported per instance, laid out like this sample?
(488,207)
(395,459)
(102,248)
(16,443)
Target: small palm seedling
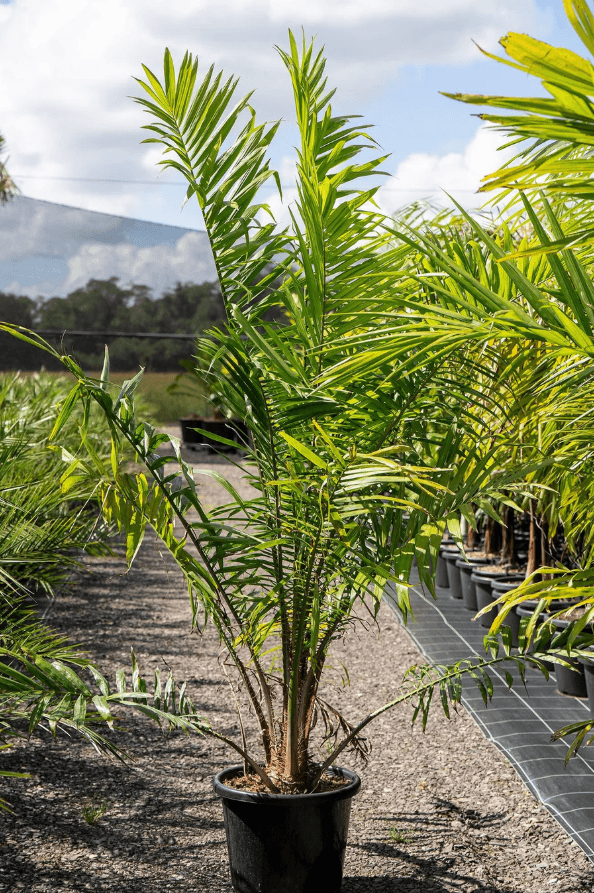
(400,836)
(95,809)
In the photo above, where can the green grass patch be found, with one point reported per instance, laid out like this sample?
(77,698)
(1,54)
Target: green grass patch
(155,403)
(163,406)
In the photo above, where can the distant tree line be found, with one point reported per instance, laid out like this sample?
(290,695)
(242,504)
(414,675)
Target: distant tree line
(102,305)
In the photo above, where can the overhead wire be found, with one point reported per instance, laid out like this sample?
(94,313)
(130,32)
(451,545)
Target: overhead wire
(179,183)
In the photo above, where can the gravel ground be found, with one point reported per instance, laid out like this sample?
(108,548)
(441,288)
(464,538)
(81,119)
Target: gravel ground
(439,811)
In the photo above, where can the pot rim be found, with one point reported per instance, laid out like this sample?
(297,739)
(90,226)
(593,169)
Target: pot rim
(483,577)
(473,562)
(507,585)
(521,611)
(558,623)
(229,793)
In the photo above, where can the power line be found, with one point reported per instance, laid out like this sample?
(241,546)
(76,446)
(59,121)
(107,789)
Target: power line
(179,183)
(97,180)
(79,333)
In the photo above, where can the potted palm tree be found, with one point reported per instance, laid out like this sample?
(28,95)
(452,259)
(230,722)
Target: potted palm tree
(352,480)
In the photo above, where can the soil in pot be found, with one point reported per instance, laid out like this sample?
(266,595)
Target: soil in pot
(496,571)
(571,613)
(286,843)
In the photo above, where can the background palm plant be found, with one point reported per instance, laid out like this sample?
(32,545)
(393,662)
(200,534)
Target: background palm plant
(517,291)
(555,133)
(48,684)
(45,682)
(43,528)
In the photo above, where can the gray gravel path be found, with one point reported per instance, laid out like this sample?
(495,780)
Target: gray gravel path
(439,811)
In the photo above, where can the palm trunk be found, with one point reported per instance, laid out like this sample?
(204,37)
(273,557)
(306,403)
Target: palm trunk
(534,545)
(295,762)
(473,539)
(544,542)
(492,537)
(544,545)
(508,541)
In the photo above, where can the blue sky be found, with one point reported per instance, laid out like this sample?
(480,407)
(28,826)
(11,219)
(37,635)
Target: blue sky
(70,127)
(438,125)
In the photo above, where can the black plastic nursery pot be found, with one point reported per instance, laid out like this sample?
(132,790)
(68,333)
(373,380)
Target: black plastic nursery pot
(485,594)
(231,429)
(569,682)
(455,560)
(466,566)
(455,586)
(441,572)
(286,843)
(499,585)
(588,668)
(526,609)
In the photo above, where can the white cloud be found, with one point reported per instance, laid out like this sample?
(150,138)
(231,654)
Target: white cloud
(159,266)
(280,208)
(422,176)
(30,291)
(66,70)
(354,11)
(36,228)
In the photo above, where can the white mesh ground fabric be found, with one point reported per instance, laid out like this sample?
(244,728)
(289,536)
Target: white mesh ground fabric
(519,721)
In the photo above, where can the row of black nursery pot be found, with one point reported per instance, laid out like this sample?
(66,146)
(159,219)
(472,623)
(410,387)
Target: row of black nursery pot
(479,581)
